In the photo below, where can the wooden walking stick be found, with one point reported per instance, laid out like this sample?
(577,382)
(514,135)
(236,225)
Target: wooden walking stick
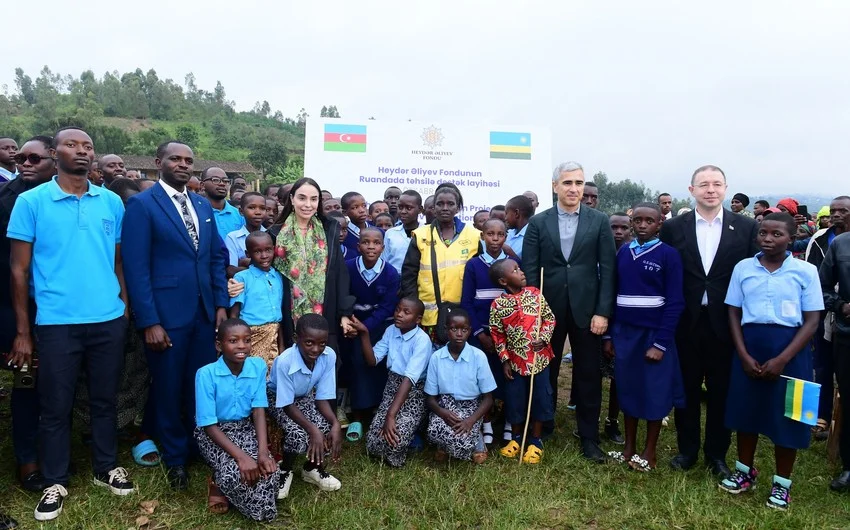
(533,368)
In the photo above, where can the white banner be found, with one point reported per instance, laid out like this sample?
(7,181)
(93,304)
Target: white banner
(489,164)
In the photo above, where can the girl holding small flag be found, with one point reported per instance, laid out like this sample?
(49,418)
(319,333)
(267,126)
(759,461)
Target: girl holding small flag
(774,304)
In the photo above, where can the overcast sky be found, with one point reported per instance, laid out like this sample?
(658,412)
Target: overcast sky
(645,90)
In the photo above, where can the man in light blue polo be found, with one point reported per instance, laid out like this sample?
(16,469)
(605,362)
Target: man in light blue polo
(66,233)
(227,217)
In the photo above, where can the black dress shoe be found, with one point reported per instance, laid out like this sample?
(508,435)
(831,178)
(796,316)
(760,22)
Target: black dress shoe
(841,482)
(591,451)
(682,462)
(178,478)
(7,522)
(719,468)
(34,481)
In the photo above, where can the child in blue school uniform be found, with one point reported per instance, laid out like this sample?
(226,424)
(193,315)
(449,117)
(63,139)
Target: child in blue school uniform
(774,305)
(407,349)
(649,304)
(252,206)
(343,232)
(230,405)
(477,296)
(354,207)
(458,392)
(303,381)
(374,285)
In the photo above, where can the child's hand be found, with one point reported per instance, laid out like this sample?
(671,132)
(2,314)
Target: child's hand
(773,368)
(356,325)
(316,447)
(389,433)
(751,367)
(249,471)
(654,354)
(486,342)
(464,426)
(450,417)
(333,442)
(266,465)
(506,369)
(608,349)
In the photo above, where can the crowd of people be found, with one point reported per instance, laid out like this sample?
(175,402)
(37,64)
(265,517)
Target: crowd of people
(249,328)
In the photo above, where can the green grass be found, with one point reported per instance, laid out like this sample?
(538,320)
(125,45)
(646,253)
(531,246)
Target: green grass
(563,492)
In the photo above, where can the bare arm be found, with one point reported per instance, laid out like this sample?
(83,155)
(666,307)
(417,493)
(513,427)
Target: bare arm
(119,273)
(21,259)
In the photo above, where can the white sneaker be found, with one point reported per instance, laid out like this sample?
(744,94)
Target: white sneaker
(324,480)
(285,484)
(50,505)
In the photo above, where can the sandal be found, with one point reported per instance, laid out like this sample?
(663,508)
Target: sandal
(511,450)
(487,432)
(217,503)
(354,432)
(639,464)
(617,457)
(533,455)
(143,449)
(820,432)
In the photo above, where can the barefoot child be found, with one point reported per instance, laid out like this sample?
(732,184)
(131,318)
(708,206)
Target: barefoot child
(407,349)
(302,384)
(458,392)
(477,296)
(252,206)
(649,304)
(230,404)
(374,284)
(521,324)
(774,304)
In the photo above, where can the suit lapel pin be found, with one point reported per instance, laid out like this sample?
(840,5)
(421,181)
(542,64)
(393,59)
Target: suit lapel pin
(731,227)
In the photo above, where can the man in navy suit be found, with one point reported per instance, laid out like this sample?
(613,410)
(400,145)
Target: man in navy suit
(177,286)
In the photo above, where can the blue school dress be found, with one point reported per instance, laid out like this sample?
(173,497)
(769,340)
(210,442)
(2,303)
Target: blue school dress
(649,304)
(772,304)
(376,292)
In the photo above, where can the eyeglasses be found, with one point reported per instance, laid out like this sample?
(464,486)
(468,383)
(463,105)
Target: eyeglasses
(217,180)
(33,159)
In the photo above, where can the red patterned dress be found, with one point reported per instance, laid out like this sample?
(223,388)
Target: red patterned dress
(518,320)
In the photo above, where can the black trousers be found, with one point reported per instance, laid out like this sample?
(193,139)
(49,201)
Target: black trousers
(704,357)
(841,345)
(587,377)
(62,349)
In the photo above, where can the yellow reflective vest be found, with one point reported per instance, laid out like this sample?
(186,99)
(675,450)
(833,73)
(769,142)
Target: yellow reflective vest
(451,263)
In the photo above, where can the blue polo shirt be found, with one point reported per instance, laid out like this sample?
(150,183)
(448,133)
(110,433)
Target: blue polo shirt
(515,240)
(778,297)
(73,252)
(262,296)
(235,243)
(221,396)
(466,378)
(291,379)
(406,354)
(227,220)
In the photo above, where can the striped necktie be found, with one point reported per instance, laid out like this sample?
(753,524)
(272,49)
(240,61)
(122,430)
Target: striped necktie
(187,218)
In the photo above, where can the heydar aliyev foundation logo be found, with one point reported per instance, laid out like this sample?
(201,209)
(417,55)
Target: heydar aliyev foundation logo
(432,138)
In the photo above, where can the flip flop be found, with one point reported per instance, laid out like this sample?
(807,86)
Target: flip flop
(354,432)
(616,457)
(216,503)
(143,449)
(639,464)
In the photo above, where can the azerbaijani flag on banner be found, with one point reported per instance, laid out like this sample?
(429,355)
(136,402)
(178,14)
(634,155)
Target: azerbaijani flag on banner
(348,138)
(801,400)
(513,145)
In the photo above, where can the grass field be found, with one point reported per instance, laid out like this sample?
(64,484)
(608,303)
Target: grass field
(563,492)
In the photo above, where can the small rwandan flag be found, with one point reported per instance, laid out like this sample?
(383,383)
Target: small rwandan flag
(348,138)
(801,400)
(514,145)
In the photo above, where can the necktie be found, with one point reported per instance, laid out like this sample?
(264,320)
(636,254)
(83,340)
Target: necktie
(187,218)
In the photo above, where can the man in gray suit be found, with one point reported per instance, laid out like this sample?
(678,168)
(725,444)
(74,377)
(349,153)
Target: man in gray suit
(574,246)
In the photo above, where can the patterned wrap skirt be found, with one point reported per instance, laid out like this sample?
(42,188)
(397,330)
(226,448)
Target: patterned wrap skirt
(459,446)
(407,422)
(295,438)
(256,502)
(264,342)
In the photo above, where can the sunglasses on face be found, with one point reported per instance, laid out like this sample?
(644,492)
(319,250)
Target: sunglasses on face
(33,159)
(217,180)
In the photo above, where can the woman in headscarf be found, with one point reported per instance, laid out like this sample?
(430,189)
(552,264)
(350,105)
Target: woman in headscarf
(739,205)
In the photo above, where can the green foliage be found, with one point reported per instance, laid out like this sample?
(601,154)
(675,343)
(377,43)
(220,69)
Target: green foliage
(268,155)
(187,134)
(622,195)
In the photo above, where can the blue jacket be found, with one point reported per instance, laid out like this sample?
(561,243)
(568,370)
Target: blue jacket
(164,274)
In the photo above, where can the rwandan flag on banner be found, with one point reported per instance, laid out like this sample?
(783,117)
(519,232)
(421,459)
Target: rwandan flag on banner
(348,138)
(801,400)
(513,145)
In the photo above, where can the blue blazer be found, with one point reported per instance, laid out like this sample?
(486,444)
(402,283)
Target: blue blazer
(165,275)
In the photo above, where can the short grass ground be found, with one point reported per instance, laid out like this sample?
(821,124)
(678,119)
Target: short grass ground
(563,492)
